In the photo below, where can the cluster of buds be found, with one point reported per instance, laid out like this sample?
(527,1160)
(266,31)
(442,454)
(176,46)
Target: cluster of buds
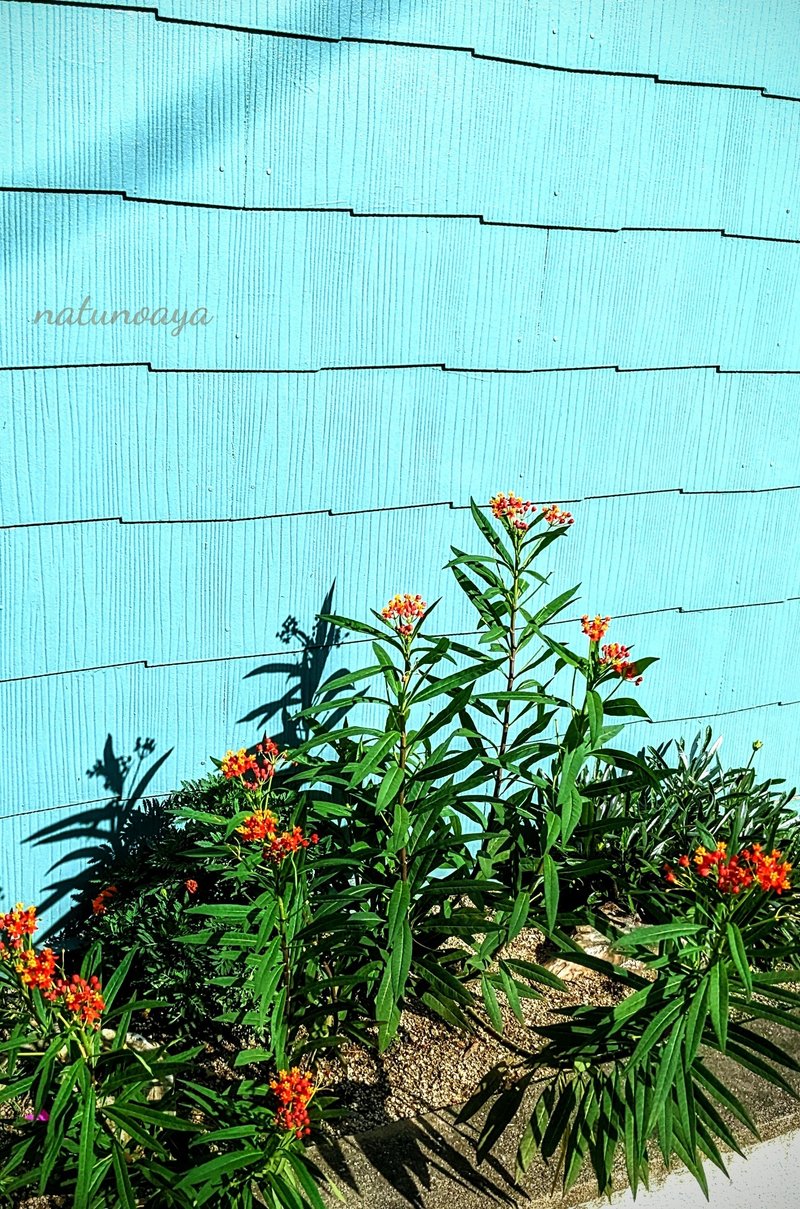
(262,825)
(405,611)
(36,971)
(510,507)
(83,999)
(281,846)
(613,655)
(99,903)
(251,768)
(732,874)
(513,509)
(293,1090)
(618,658)
(555,516)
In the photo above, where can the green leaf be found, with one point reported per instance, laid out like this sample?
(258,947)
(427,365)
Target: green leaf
(557,605)
(653,934)
(655,1031)
(490,1001)
(594,710)
(398,909)
(447,684)
(625,706)
(739,955)
(670,1057)
(519,914)
(373,756)
(718,1002)
(695,1020)
(111,988)
(225,1164)
(305,1179)
(86,1144)
(559,1121)
(550,873)
(389,787)
(490,533)
(125,1194)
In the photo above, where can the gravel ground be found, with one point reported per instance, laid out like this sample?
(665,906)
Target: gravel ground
(431,1065)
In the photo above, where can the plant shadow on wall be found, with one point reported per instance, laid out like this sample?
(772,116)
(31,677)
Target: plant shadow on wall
(417,874)
(102,834)
(302,676)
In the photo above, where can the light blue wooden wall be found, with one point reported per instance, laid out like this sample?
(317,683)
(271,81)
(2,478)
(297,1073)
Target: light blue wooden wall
(446,248)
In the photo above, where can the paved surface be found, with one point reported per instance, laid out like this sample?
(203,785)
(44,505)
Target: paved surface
(429,1163)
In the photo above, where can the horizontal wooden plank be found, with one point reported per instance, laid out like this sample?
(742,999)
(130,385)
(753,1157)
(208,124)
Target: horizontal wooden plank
(247,120)
(710,663)
(211,446)
(706,40)
(81,596)
(310,290)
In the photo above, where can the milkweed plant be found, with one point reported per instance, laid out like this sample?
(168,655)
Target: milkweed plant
(446,795)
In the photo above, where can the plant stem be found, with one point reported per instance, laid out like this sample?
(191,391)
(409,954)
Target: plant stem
(287,964)
(403,754)
(512,657)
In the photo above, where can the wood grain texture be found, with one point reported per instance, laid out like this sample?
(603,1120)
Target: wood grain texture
(215,446)
(175,509)
(83,596)
(705,40)
(311,290)
(211,116)
(724,662)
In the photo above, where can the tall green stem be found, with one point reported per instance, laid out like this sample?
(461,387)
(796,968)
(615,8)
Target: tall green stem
(403,751)
(513,608)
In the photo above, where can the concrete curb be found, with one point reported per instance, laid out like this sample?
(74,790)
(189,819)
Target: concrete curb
(428,1162)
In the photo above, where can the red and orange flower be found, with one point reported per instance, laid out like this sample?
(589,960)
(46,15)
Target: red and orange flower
(510,507)
(555,516)
(253,769)
(595,628)
(732,874)
(80,997)
(293,1090)
(618,658)
(19,923)
(405,611)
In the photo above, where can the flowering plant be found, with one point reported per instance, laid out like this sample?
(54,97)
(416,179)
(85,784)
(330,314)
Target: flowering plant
(85,1099)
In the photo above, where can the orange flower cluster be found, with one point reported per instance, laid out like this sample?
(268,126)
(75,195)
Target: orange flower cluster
(99,903)
(263,825)
(251,769)
(293,1090)
(258,826)
(36,969)
(617,657)
(281,846)
(80,997)
(732,874)
(191,885)
(18,923)
(511,508)
(596,628)
(771,870)
(554,516)
(404,610)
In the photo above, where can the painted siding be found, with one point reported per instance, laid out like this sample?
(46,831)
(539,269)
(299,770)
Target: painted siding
(446,249)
